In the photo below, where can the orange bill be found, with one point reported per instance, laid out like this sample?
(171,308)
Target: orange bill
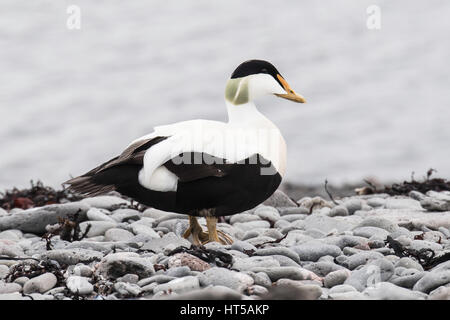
(290,94)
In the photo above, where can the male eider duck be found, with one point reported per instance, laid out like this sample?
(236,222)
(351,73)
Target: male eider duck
(205,168)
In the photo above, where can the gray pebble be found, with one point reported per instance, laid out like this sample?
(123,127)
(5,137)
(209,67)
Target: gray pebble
(312,251)
(389,291)
(117,234)
(21,280)
(79,285)
(96,214)
(369,232)
(432,280)
(118,264)
(179,285)
(376,202)
(267,213)
(72,256)
(253,262)
(4,271)
(82,270)
(159,278)
(124,215)
(242,246)
(127,289)
(441,293)
(178,272)
(36,219)
(407,278)
(293,217)
(379,222)
(262,279)
(280,200)
(339,211)
(322,268)
(293,273)
(353,205)
(293,210)
(224,277)
(97,228)
(360,258)
(278,251)
(105,202)
(408,263)
(129,277)
(341,288)
(40,284)
(9,287)
(285,261)
(158,245)
(376,271)
(336,278)
(139,228)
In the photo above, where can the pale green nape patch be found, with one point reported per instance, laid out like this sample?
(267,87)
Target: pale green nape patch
(236,91)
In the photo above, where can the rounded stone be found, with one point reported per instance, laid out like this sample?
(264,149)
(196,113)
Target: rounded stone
(79,285)
(41,283)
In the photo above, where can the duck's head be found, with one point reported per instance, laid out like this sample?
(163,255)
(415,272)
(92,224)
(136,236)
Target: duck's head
(255,78)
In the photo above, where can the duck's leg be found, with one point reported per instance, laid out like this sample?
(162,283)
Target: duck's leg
(198,236)
(214,234)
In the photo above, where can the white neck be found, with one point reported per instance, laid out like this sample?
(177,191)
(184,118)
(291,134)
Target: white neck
(246,113)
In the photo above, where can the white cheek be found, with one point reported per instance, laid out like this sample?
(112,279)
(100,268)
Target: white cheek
(263,84)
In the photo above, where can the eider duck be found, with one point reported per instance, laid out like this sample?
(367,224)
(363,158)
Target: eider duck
(205,168)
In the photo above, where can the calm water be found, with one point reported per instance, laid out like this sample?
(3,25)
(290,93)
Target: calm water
(378,100)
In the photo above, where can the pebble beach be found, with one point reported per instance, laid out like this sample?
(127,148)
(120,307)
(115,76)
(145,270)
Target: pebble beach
(360,247)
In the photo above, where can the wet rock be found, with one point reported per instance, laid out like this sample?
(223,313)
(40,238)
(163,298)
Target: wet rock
(129,278)
(9,248)
(409,264)
(407,278)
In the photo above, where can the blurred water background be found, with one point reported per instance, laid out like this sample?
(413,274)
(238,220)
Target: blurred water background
(378,100)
